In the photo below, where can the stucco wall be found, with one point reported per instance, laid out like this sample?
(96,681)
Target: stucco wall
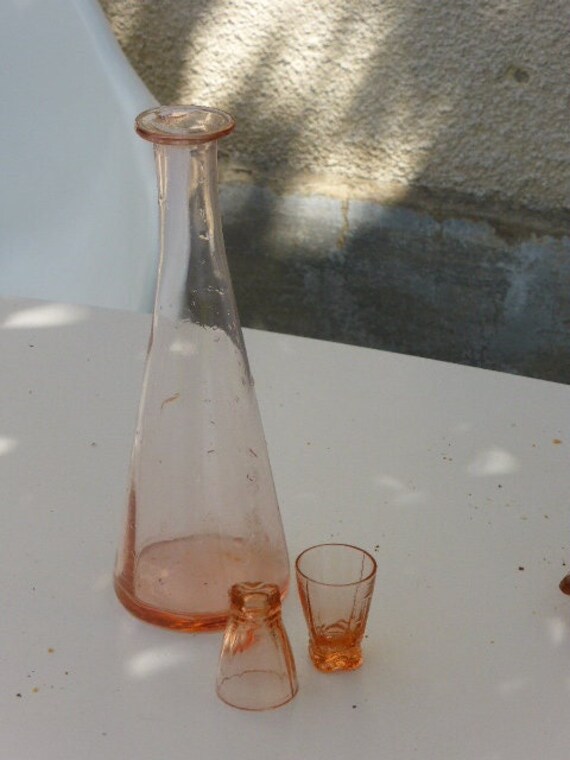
(373,96)
(400,174)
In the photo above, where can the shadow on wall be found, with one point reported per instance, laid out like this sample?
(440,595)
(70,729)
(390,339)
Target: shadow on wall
(365,97)
(448,96)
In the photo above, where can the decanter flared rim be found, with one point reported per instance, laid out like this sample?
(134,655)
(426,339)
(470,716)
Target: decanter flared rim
(183,124)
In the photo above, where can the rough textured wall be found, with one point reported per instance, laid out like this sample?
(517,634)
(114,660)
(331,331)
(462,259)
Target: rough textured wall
(400,174)
(382,95)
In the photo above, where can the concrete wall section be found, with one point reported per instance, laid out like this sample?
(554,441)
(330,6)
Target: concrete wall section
(398,279)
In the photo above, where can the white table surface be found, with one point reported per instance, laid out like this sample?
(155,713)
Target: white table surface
(457,479)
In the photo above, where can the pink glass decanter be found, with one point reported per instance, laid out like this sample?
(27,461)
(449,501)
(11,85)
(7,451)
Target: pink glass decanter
(202,510)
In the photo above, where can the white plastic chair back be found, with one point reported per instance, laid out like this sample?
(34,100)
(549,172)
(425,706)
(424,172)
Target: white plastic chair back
(78,219)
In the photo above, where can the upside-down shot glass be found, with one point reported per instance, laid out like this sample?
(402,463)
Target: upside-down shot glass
(335,584)
(256,669)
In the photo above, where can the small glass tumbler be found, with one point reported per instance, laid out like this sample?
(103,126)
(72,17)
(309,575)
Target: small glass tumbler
(256,669)
(335,584)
